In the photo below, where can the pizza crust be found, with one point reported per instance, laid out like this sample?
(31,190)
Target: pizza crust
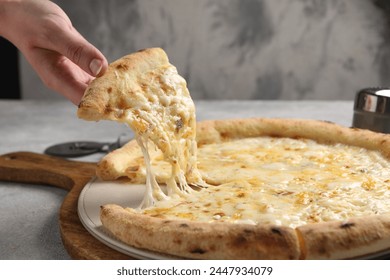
(198,240)
(321,131)
(122,162)
(355,238)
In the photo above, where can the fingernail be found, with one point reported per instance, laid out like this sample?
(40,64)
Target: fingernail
(95,66)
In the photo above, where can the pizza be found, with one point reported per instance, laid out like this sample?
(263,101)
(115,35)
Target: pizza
(254,188)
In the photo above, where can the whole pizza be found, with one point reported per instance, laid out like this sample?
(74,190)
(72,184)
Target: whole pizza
(236,189)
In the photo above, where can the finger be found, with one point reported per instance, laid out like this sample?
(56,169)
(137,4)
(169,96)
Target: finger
(71,44)
(60,74)
(69,80)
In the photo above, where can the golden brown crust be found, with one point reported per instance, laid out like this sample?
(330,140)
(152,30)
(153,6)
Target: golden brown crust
(122,161)
(113,165)
(200,240)
(356,237)
(320,131)
(128,162)
(104,97)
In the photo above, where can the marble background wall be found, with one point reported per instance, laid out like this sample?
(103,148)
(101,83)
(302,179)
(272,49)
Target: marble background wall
(245,49)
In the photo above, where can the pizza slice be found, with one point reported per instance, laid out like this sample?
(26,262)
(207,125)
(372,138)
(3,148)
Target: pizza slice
(145,91)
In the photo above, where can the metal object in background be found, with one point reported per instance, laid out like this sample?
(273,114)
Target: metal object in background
(372,109)
(84,148)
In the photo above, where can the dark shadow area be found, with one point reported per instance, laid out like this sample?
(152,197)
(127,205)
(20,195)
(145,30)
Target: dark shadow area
(9,71)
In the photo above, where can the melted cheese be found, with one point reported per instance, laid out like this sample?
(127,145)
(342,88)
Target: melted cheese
(283,181)
(164,113)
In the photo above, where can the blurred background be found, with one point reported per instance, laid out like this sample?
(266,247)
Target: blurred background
(243,49)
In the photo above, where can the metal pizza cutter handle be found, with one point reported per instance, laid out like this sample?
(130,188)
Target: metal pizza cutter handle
(84,148)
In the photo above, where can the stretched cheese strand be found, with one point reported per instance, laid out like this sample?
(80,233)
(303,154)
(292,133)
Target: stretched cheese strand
(153,190)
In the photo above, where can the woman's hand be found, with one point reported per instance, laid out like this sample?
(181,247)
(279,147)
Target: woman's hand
(63,59)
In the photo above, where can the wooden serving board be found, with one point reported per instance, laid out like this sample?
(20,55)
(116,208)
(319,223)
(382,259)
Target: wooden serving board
(33,168)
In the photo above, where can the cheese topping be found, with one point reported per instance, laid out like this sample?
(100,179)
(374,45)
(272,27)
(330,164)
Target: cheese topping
(163,111)
(283,181)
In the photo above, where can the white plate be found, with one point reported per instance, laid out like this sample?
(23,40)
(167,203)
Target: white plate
(97,193)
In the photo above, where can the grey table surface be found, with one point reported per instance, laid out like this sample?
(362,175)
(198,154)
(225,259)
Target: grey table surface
(29,213)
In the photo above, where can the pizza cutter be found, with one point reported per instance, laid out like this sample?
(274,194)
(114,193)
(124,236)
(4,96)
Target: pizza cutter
(84,148)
